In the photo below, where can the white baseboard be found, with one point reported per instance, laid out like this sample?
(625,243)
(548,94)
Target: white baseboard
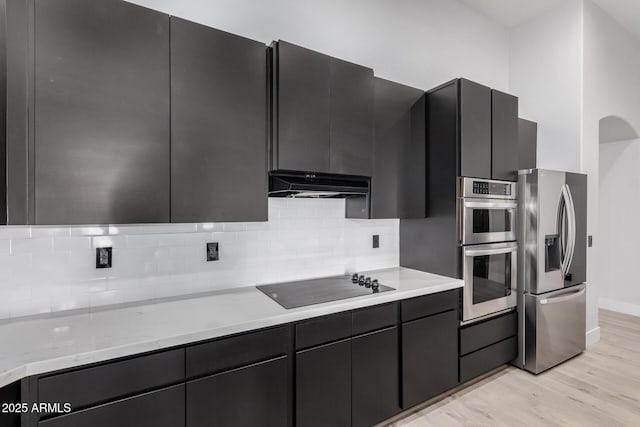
(619,306)
(593,336)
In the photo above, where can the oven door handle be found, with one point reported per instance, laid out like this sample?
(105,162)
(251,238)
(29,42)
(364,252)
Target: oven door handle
(490,205)
(497,251)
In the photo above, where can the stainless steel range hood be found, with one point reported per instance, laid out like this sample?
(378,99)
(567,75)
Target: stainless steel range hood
(317,185)
(355,189)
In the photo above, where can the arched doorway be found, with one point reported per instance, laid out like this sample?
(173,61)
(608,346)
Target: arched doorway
(619,216)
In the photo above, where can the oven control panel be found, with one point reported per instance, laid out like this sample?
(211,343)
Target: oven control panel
(486,188)
(491,188)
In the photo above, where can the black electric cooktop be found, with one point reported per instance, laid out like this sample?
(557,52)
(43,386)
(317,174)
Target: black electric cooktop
(317,291)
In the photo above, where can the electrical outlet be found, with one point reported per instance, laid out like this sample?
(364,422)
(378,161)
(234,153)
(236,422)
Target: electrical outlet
(212,252)
(590,241)
(104,257)
(376,241)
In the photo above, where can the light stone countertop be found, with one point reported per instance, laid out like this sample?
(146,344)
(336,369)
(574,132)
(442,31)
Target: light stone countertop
(52,342)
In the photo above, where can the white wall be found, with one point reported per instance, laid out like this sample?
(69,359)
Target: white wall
(47,269)
(417,42)
(619,226)
(545,72)
(611,88)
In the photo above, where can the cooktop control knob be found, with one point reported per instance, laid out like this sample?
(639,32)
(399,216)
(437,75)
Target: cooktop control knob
(361,280)
(354,278)
(367,282)
(375,285)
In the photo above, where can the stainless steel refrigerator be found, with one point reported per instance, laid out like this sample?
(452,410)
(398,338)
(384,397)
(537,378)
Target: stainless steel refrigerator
(552,237)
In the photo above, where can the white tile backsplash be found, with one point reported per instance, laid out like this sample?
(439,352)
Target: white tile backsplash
(47,269)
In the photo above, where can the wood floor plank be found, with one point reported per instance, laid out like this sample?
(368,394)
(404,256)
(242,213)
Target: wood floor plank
(601,387)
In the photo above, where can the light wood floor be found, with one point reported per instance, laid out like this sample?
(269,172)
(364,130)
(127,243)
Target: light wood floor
(601,387)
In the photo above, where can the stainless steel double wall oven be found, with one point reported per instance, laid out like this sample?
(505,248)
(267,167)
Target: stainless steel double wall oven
(487,234)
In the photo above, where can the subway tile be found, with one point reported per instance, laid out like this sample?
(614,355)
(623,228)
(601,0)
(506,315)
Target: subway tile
(5,247)
(40,231)
(210,227)
(71,243)
(109,241)
(143,241)
(94,230)
(31,246)
(12,233)
(302,239)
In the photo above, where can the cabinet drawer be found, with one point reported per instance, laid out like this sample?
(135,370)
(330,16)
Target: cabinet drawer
(427,305)
(373,318)
(483,334)
(488,358)
(162,408)
(97,384)
(228,353)
(254,395)
(322,330)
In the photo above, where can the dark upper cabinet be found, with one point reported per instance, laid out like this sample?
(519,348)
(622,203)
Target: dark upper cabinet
(527,144)
(102,123)
(473,132)
(398,181)
(218,125)
(475,129)
(429,357)
(255,395)
(375,374)
(323,385)
(351,123)
(301,115)
(504,125)
(322,114)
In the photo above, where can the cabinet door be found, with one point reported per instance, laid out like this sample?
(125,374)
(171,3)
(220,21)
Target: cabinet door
(218,125)
(375,395)
(251,396)
(323,385)
(504,149)
(101,113)
(475,129)
(301,115)
(398,180)
(163,408)
(429,357)
(527,144)
(351,124)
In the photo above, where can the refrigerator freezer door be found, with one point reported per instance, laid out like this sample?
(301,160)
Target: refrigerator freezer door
(555,327)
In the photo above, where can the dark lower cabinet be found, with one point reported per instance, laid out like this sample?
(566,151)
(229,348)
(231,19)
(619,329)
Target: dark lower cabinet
(10,394)
(429,352)
(482,361)
(375,377)
(255,395)
(323,386)
(162,408)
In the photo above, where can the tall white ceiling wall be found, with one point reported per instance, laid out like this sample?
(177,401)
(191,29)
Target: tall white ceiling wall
(421,43)
(611,88)
(545,59)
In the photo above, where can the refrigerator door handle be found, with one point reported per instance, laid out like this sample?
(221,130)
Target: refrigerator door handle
(563,297)
(567,217)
